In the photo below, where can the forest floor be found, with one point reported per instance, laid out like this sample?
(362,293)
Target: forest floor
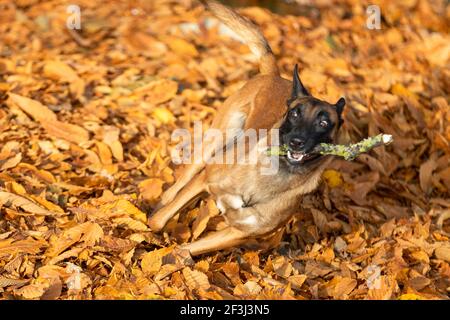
(85,123)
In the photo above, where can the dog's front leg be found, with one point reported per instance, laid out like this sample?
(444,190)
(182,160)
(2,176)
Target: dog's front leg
(195,187)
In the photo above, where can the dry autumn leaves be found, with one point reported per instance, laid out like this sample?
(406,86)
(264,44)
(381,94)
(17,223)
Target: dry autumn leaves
(85,124)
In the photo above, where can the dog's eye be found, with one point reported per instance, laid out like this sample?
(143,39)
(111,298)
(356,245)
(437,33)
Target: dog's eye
(294,114)
(323,123)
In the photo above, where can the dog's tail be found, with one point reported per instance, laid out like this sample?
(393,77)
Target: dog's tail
(248,32)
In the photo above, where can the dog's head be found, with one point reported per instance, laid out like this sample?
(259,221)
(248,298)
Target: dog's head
(308,122)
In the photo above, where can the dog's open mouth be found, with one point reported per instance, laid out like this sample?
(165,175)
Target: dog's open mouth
(297,157)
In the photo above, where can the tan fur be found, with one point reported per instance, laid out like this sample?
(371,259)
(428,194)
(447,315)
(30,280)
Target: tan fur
(253,204)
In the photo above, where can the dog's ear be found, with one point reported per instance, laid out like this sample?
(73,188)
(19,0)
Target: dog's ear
(298,90)
(340,106)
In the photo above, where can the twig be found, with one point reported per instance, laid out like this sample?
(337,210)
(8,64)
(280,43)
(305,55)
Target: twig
(348,152)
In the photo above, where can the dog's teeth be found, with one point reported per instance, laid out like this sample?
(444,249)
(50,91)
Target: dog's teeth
(296,156)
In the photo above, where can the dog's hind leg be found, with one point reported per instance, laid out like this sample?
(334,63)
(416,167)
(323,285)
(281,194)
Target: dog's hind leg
(194,188)
(222,239)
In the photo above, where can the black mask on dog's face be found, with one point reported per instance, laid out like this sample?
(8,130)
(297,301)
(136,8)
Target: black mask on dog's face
(308,122)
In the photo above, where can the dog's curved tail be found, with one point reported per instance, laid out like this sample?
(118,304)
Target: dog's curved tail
(248,32)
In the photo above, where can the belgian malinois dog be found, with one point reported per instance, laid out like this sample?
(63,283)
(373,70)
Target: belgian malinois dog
(254,204)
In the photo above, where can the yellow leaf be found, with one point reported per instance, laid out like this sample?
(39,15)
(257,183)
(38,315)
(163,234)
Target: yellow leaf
(180,46)
(131,224)
(151,189)
(399,90)
(152,261)
(163,115)
(332,178)
(16,188)
(158,91)
(443,253)
(69,237)
(92,234)
(125,207)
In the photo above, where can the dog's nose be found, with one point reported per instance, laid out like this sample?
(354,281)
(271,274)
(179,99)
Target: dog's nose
(296,143)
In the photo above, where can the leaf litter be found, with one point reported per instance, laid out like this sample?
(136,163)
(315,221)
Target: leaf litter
(85,123)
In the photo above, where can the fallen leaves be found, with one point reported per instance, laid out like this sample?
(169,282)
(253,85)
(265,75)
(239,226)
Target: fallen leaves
(152,261)
(158,91)
(10,199)
(10,247)
(49,122)
(151,189)
(60,71)
(443,253)
(195,279)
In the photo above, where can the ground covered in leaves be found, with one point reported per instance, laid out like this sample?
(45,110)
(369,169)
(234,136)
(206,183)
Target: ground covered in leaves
(85,123)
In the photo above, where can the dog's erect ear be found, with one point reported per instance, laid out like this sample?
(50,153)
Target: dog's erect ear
(298,90)
(340,106)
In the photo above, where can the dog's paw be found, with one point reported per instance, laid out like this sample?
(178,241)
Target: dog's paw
(155,225)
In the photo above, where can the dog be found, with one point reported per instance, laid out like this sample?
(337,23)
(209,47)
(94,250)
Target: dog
(254,204)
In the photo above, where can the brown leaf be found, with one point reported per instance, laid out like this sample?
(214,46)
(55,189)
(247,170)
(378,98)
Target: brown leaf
(34,108)
(425,173)
(111,138)
(58,70)
(9,247)
(195,279)
(32,291)
(66,131)
(151,189)
(158,91)
(92,234)
(11,162)
(152,261)
(11,199)
(49,121)
(443,253)
(201,221)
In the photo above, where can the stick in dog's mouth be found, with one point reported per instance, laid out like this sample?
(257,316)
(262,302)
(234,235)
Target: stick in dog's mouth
(348,152)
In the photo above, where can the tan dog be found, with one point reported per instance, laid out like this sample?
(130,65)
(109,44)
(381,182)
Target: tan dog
(252,203)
